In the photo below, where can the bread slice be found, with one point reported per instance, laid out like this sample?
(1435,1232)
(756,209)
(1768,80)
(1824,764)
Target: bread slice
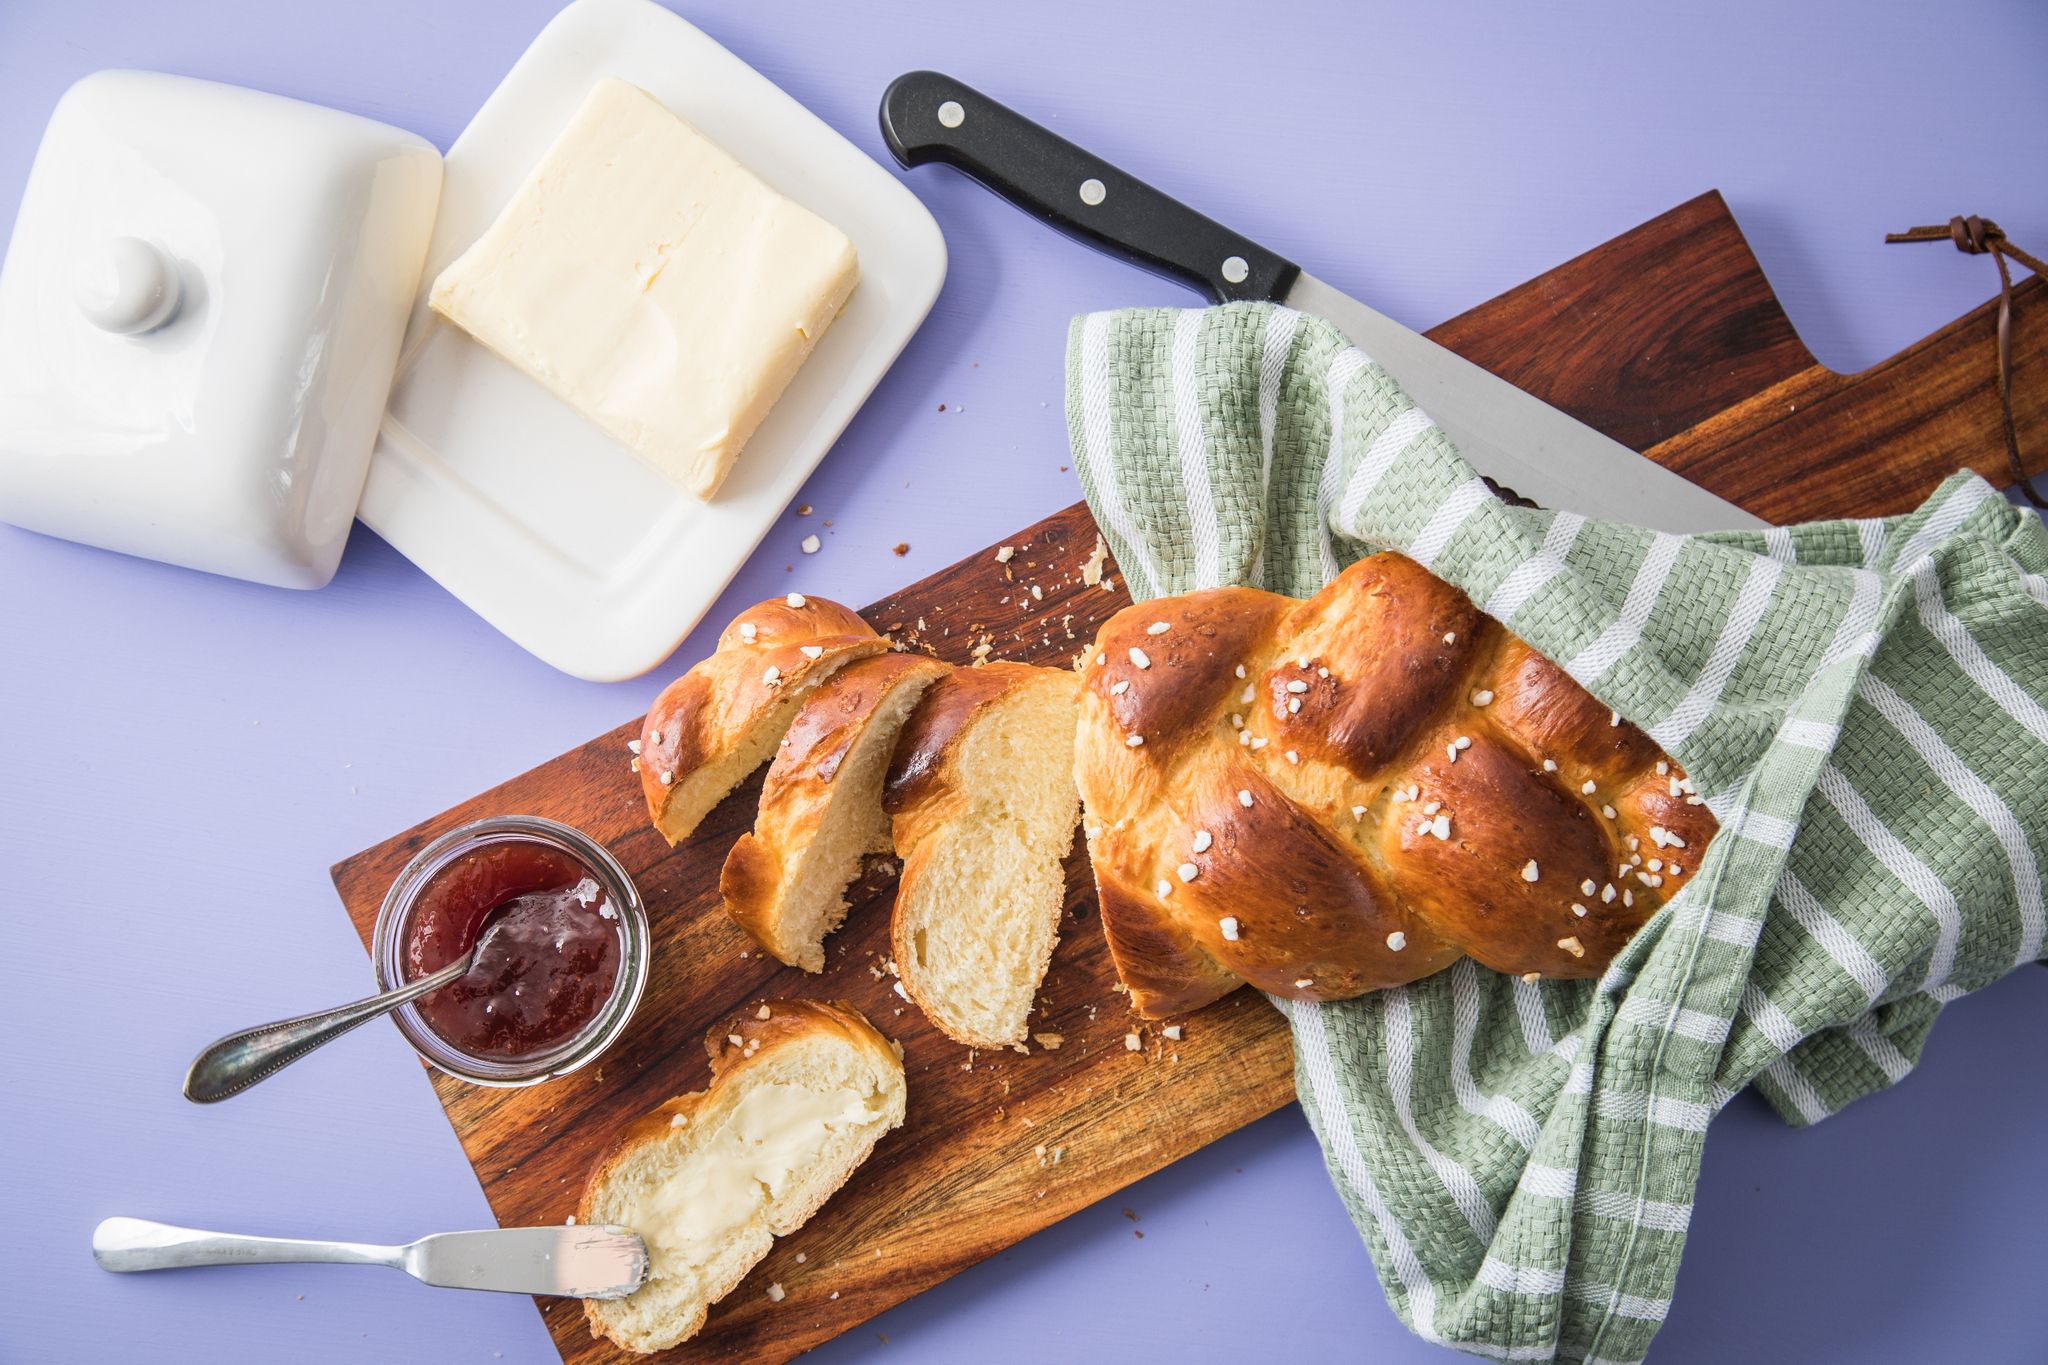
(821,807)
(710,1179)
(722,719)
(983,806)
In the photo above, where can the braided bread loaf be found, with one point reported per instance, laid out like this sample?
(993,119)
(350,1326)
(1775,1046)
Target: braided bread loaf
(1328,797)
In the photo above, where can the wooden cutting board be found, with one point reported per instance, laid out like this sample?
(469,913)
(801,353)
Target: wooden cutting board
(1668,338)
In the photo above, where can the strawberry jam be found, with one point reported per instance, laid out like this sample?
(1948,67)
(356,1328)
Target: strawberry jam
(551,959)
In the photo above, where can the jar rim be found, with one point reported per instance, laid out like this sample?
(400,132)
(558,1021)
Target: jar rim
(387,948)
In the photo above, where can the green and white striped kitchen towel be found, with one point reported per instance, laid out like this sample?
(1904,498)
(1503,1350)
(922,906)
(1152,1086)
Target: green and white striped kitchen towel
(1862,702)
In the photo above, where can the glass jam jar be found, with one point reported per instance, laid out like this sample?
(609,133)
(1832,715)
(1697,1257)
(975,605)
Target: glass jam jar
(564,960)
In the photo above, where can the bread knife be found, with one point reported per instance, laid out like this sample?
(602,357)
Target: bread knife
(576,1262)
(1514,438)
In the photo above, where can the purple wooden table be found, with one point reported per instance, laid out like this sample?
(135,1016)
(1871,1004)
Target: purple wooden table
(182,757)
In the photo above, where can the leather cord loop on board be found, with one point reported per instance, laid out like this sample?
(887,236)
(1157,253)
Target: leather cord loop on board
(1976,236)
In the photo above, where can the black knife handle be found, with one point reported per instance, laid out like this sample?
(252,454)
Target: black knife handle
(927,116)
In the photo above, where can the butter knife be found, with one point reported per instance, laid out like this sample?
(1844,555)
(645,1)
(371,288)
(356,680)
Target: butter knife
(575,1262)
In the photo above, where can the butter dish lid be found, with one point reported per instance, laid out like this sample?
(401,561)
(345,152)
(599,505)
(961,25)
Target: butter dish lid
(201,310)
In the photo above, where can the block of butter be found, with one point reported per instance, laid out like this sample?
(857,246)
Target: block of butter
(654,283)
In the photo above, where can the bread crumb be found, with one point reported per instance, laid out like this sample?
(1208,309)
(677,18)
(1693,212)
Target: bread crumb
(810,545)
(797,601)
(1004,554)
(902,547)
(679,1121)
(1091,568)
(1049,1041)
(1396,941)
(1133,1043)
(1228,926)
(775,1293)
(1173,1031)
(761,1013)
(803,509)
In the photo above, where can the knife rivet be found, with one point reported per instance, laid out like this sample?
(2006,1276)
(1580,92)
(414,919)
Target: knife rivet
(1093,192)
(1235,269)
(951,114)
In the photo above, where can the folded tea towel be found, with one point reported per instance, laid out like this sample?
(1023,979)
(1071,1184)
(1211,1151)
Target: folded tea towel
(1863,704)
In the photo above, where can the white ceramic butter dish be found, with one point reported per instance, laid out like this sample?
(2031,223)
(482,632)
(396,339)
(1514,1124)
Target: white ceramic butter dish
(200,312)
(201,317)
(532,515)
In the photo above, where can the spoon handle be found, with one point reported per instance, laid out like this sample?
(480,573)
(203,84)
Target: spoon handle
(236,1062)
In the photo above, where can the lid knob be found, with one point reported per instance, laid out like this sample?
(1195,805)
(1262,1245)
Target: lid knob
(125,285)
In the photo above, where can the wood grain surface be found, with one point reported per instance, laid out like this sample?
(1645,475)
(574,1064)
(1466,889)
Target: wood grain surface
(1668,338)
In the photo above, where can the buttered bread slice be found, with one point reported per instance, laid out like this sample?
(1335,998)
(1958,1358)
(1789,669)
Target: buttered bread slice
(654,283)
(800,1093)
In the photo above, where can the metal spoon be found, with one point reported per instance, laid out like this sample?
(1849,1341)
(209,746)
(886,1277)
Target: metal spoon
(234,1063)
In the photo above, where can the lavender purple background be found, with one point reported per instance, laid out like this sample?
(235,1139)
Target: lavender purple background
(181,757)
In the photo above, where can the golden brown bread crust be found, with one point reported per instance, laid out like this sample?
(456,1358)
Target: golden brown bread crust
(801,785)
(1377,659)
(787,1020)
(1364,785)
(917,772)
(754,677)
(1273,864)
